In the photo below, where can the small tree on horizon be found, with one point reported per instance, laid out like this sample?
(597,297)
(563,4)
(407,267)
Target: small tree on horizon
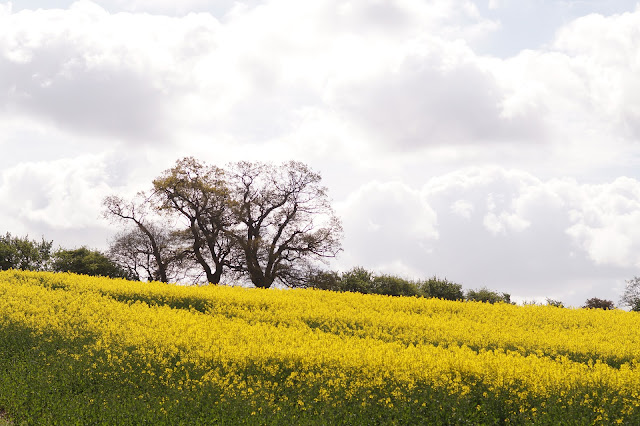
(488,296)
(596,303)
(441,288)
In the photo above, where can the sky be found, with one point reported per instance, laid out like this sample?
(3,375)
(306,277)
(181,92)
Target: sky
(495,143)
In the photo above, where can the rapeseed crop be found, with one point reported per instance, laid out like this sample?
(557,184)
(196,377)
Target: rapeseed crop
(86,350)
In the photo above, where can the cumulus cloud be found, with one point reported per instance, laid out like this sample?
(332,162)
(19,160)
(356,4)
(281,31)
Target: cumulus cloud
(604,226)
(390,100)
(63,193)
(87,70)
(608,53)
(388,226)
(137,77)
(437,97)
(505,229)
(584,85)
(402,74)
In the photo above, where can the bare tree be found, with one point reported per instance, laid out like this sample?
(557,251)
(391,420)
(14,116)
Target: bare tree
(149,246)
(198,193)
(631,295)
(282,221)
(133,250)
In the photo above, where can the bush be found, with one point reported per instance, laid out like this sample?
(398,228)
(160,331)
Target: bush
(441,289)
(360,280)
(394,286)
(324,280)
(485,295)
(556,303)
(87,262)
(595,303)
(357,280)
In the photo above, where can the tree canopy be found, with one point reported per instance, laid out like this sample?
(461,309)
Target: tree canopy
(24,253)
(488,296)
(87,262)
(597,303)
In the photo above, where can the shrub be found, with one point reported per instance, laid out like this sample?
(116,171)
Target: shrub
(556,303)
(23,253)
(485,295)
(357,280)
(87,262)
(324,280)
(441,289)
(394,286)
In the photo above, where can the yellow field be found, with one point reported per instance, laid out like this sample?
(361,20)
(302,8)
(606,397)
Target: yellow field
(315,356)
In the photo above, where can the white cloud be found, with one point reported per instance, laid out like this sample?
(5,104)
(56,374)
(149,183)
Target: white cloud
(462,208)
(605,225)
(386,223)
(501,228)
(61,194)
(436,96)
(407,81)
(390,100)
(608,51)
(89,71)
(582,86)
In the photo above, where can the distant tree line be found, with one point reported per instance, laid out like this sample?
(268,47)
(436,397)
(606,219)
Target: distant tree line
(360,280)
(38,255)
(255,222)
(33,255)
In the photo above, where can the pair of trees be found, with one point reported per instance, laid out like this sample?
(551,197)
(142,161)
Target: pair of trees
(27,254)
(264,222)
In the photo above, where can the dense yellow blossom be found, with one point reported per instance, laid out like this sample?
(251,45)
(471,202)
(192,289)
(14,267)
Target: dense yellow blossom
(270,347)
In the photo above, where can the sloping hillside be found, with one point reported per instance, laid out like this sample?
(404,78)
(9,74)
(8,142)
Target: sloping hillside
(113,351)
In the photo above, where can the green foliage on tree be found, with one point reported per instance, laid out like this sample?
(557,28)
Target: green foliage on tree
(357,280)
(441,289)
(596,303)
(323,280)
(394,286)
(23,253)
(488,296)
(87,262)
